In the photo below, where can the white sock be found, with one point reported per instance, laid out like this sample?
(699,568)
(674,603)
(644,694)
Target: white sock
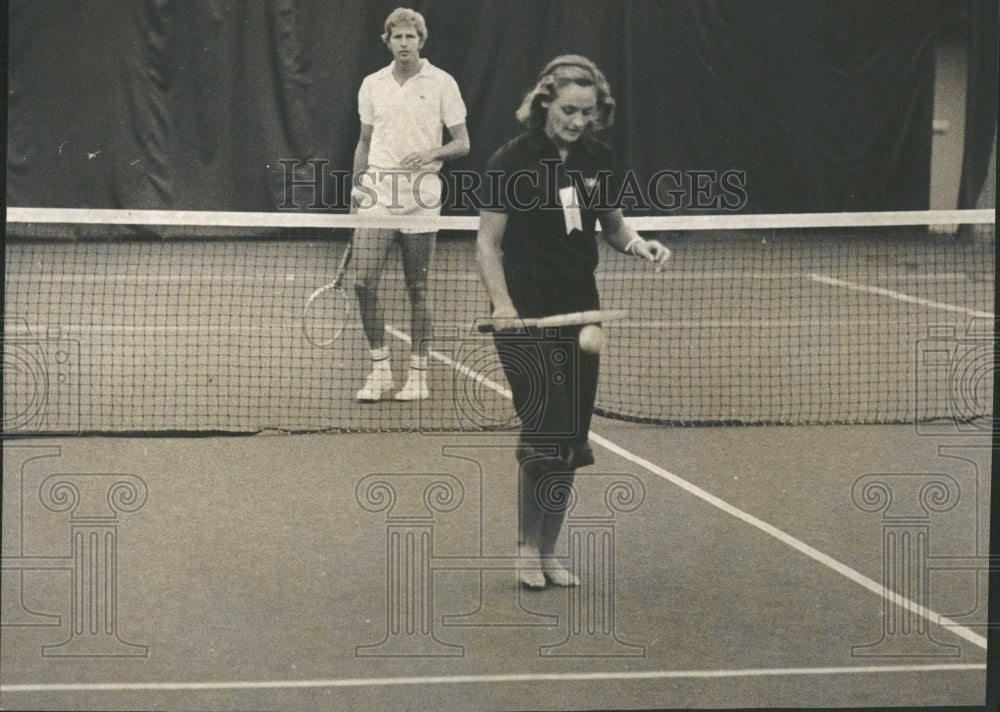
(380,359)
(418,363)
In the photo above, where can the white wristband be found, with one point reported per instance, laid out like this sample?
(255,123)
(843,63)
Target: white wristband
(631,244)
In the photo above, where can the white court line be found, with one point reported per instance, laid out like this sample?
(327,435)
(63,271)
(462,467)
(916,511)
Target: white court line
(901,296)
(461,368)
(483,679)
(800,546)
(567,677)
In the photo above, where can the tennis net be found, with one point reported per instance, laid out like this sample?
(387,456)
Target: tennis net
(182,322)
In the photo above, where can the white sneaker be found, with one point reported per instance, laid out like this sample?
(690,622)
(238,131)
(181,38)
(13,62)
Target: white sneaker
(415,387)
(378,383)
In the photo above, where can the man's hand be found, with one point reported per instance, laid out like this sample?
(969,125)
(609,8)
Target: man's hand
(417,160)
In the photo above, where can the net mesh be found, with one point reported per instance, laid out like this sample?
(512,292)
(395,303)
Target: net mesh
(117,327)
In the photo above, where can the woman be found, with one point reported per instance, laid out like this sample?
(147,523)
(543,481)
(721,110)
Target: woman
(536,251)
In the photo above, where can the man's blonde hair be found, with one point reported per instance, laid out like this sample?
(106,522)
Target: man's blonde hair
(404,15)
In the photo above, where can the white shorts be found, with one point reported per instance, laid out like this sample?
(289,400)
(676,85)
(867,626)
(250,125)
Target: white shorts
(397,192)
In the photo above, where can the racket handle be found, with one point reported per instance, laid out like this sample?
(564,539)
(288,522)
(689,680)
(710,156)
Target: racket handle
(485,328)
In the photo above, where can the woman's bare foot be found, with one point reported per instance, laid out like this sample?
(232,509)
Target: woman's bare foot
(529,572)
(557,575)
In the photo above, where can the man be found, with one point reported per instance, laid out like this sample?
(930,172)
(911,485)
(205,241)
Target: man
(404,109)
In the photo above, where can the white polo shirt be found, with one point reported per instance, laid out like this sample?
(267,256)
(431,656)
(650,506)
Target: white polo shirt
(410,117)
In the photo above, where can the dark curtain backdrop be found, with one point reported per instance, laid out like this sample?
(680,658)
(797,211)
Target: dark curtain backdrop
(192,104)
(981,108)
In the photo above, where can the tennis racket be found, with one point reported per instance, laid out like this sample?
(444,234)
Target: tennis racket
(571,319)
(327,309)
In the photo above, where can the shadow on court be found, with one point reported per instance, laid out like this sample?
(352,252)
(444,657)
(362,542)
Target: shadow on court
(721,567)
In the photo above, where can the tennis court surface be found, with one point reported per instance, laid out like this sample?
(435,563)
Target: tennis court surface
(790,504)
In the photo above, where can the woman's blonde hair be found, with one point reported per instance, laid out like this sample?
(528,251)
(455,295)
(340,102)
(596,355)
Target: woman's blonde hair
(560,72)
(405,15)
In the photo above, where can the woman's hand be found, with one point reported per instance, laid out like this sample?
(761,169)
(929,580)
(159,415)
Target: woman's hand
(505,318)
(652,251)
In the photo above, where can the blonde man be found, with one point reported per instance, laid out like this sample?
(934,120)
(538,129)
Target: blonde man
(404,110)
